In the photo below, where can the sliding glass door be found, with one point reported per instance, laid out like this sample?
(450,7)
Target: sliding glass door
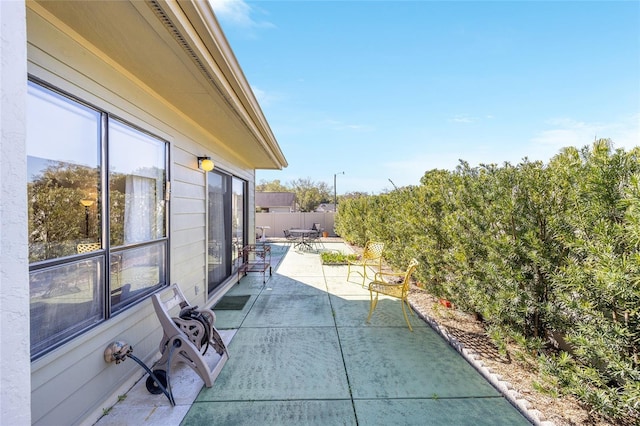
(226,217)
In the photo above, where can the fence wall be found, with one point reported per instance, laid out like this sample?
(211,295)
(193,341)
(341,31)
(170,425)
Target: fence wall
(279,221)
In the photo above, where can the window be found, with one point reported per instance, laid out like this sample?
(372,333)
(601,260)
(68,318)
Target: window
(97,236)
(136,213)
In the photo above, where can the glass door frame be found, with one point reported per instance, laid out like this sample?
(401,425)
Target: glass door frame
(224,249)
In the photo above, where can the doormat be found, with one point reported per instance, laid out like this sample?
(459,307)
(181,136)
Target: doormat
(232,303)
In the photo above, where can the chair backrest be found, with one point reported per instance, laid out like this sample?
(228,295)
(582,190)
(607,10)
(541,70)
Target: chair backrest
(87,247)
(316,227)
(407,275)
(373,250)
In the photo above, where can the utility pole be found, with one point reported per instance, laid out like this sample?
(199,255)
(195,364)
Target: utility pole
(335,195)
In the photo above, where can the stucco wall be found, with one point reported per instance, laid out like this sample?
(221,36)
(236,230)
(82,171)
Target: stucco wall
(14,287)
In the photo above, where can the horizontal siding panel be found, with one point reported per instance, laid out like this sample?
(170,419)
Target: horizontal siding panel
(184,158)
(187,221)
(53,393)
(188,251)
(188,206)
(184,190)
(188,236)
(180,173)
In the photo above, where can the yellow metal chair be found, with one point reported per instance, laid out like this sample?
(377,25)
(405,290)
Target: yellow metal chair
(372,256)
(382,285)
(88,247)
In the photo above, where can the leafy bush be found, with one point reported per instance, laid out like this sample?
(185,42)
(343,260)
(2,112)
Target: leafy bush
(336,258)
(534,249)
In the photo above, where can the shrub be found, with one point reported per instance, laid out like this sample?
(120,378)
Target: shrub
(532,248)
(336,258)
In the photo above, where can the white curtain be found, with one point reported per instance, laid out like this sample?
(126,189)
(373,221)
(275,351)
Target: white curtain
(140,213)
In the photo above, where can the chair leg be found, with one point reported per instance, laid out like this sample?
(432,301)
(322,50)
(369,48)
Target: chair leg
(372,306)
(409,307)
(364,277)
(406,318)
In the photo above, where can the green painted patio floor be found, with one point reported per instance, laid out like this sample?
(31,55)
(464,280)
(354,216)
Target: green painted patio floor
(303,354)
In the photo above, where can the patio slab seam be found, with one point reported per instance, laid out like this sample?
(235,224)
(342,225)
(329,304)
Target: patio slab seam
(505,388)
(344,361)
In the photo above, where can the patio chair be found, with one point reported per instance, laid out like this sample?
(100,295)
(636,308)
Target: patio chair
(88,247)
(372,256)
(289,238)
(383,284)
(314,236)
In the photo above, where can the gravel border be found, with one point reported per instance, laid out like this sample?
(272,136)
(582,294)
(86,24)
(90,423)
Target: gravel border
(505,388)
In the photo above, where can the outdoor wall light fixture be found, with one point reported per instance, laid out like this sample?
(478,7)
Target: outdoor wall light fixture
(205,163)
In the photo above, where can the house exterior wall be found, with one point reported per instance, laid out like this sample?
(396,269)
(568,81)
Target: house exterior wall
(14,284)
(73,383)
(279,209)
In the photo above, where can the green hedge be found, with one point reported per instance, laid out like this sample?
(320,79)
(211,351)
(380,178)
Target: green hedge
(537,250)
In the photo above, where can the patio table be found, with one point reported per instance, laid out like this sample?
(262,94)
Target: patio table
(302,236)
(262,238)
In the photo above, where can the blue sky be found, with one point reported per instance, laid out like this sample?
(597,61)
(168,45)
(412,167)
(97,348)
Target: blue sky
(386,90)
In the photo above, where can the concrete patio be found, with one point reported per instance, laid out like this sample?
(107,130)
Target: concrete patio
(301,353)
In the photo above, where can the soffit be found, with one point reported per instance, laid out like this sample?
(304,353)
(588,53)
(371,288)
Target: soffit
(179,58)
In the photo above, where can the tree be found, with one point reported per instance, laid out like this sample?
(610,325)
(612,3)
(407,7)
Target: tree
(272,186)
(310,194)
(57,219)
(351,195)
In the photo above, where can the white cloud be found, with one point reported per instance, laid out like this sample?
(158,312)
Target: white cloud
(463,118)
(238,13)
(265,98)
(339,125)
(563,132)
(468,119)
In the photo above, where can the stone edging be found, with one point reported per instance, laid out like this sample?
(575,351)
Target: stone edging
(505,388)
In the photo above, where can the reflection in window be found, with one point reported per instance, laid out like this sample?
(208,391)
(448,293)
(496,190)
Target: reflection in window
(63,163)
(219,266)
(136,177)
(135,272)
(64,300)
(237,218)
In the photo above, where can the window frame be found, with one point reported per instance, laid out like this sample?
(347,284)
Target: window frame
(105,253)
(227,204)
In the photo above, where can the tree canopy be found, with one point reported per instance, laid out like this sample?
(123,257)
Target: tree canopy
(309,194)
